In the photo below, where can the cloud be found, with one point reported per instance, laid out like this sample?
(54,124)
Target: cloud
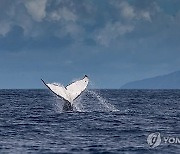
(130,12)
(81,20)
(36,8)
(126,22)
(145,15)
(126,10)
(111,32)
(63,14)
(72,30)
(4,27)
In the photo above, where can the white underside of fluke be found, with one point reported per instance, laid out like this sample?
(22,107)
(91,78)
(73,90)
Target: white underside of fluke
(70,92)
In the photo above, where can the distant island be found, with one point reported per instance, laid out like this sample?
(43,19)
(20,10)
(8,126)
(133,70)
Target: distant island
(169,81)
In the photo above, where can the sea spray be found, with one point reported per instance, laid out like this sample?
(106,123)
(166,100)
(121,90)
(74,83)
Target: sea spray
(103,103)
(78,105)
(58,105)
(89,101)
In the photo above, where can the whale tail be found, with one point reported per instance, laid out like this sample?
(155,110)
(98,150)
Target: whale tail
(70,92)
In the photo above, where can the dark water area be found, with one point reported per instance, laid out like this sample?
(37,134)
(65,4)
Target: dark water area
(104,121)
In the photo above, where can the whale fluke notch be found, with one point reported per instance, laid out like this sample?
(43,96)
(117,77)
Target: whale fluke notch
(70,92)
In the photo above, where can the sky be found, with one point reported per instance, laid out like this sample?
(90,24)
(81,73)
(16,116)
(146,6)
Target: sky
(112,41)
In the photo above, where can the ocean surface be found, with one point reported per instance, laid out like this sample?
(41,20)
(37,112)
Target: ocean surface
(104,121)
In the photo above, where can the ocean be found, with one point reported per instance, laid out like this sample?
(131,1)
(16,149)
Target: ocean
(104,121)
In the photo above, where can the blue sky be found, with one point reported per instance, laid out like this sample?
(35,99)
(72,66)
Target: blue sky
(112,41)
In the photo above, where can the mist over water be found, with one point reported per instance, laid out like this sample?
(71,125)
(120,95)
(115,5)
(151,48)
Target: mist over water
(104,121)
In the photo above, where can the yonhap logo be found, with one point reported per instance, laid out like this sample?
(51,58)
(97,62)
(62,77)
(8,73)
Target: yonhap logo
(155,139)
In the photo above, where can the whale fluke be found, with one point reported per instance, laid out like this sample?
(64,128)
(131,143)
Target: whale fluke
(70,92)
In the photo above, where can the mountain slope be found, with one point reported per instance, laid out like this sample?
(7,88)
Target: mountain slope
(169,81)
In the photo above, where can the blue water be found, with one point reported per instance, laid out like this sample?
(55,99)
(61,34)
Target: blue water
(104,121)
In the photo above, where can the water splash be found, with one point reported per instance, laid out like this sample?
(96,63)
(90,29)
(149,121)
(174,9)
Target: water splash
(78,106)
(92,101)
(89,101)
(58,105)
(103,103)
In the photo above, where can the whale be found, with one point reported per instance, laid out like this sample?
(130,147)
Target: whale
(68,93)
